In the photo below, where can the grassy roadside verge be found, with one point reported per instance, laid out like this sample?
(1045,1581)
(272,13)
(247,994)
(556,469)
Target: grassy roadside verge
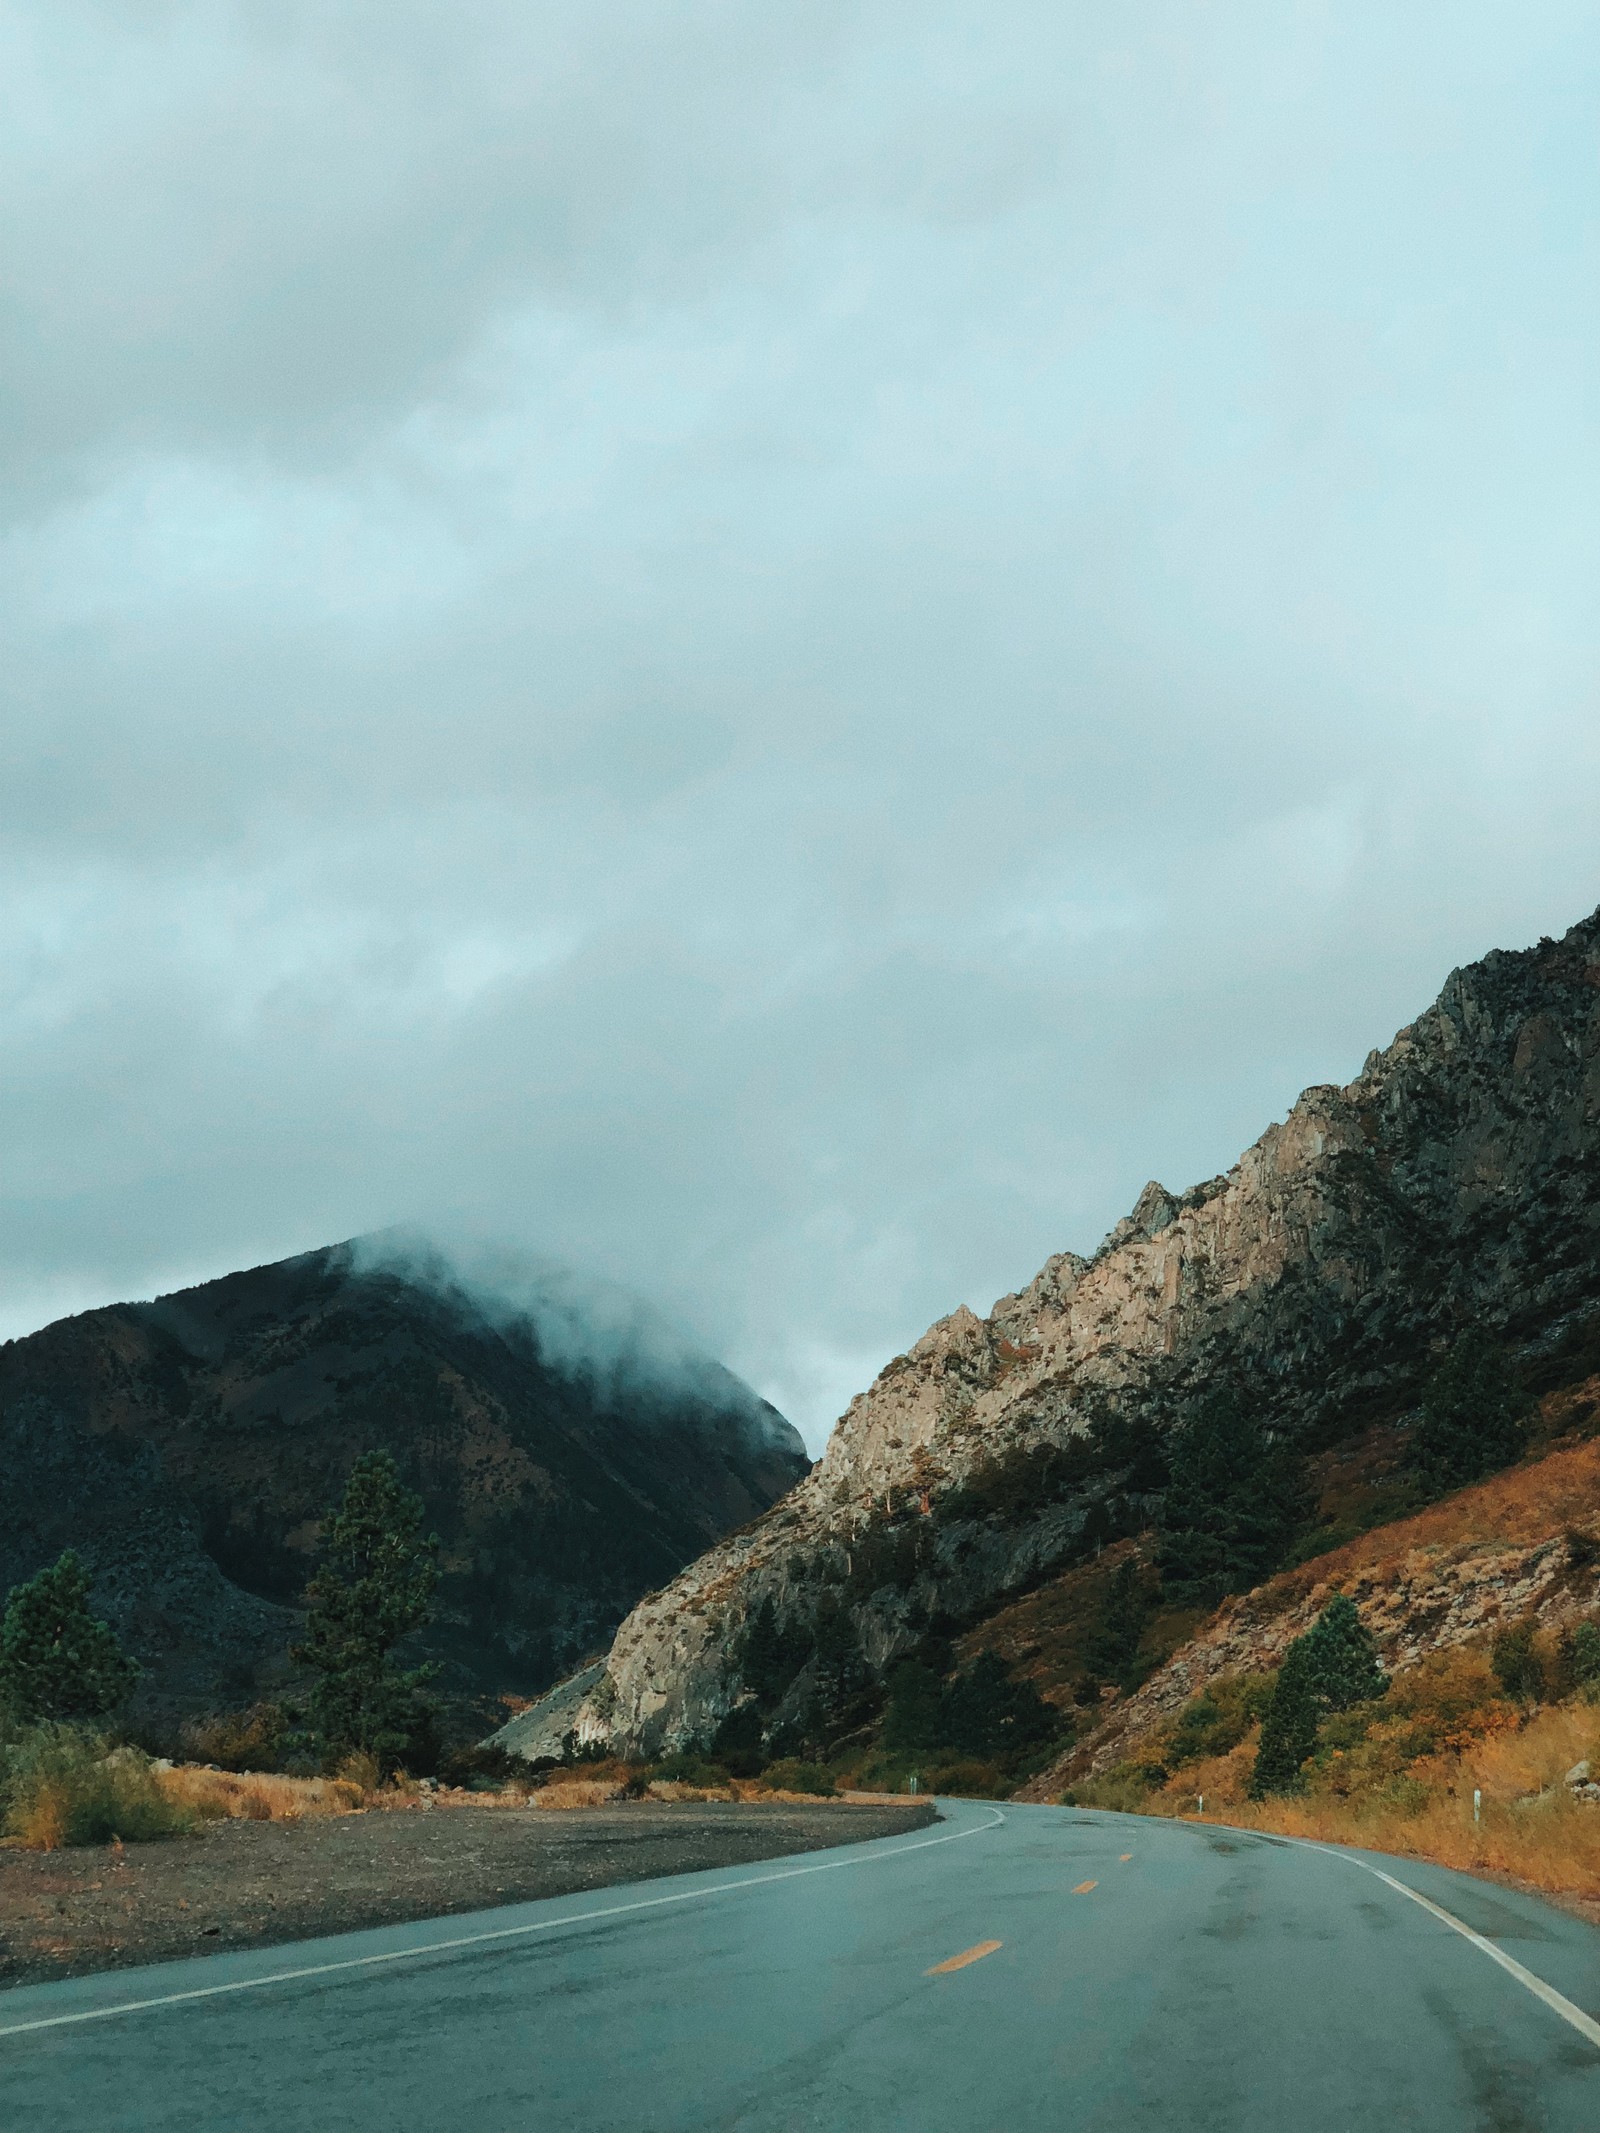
(1398,1776)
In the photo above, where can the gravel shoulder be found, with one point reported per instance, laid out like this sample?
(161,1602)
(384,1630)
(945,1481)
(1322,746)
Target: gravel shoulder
(248,1884)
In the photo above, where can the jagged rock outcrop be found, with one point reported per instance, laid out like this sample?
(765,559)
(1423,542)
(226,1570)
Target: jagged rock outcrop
(1454,1180)
(189,1447)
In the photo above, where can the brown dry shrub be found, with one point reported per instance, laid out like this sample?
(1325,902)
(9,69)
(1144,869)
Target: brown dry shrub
(65,1785)
(217,1795)
(360,1768)
(584,1792)
(238,1740)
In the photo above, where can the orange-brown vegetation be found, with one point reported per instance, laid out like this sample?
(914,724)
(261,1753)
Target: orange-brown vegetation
(1398,1775)
(215,1795)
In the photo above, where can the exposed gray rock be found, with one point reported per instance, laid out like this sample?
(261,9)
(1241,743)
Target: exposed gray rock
(1453,1182)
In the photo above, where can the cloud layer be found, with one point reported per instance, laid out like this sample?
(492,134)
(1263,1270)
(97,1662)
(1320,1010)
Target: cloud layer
(773,654)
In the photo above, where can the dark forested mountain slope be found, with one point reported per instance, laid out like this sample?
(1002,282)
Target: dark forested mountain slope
(188,1447)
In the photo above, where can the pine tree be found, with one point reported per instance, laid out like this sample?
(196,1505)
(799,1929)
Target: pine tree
(57,1660)
(1584,1659)
(1518,1664)
(1289,1726)
(984,1712)
(770,1655)
(1343,1657)
(840,1681)
(1332,1667)
(1232,1504)
(1473,1417)
(1113,1643)
(911,1722)
(375,1586)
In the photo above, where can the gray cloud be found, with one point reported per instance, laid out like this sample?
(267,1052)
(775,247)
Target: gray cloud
(773,657)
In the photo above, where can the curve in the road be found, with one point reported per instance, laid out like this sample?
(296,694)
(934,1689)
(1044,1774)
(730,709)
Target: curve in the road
(1106,1973)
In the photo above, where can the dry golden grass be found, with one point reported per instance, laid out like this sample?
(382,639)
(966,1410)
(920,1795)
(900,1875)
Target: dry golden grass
(42,1825)
(217,1795)
(570,1792)
(1532,1828)
(1524,1505)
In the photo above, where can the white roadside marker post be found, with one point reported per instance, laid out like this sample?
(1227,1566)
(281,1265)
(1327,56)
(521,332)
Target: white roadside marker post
(1477,1805)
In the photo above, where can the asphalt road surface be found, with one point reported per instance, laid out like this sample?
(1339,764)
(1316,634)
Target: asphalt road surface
(1010,1969)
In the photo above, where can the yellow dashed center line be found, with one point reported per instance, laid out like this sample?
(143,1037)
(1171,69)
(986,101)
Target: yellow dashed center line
(1084,1887)
(967,1955)
(1124,1857)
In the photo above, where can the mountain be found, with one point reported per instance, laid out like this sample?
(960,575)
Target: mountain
(1452,1183)
(189,1447)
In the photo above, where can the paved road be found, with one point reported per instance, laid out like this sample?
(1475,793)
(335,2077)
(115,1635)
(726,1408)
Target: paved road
(1206,1982)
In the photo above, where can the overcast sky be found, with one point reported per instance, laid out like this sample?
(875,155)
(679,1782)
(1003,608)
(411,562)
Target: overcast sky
(774,651)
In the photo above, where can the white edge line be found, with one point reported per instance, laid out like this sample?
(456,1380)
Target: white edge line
(478,1940)
(1584,2024)
(1557,2002)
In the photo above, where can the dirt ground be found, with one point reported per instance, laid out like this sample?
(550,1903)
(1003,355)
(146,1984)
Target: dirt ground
(247,1884)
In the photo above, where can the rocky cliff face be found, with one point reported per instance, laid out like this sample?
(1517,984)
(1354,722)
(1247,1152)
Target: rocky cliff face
(1454,1180)
(189,1447)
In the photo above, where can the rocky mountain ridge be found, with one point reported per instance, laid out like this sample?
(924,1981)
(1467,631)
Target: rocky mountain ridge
(1453,1181)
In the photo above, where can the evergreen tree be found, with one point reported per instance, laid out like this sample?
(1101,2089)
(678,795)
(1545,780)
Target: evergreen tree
(1583,1656)
(770,1655)
(1332,1667)
(1289,1725)
(984,1712)
(1113,1643)
(840,1682)
(57,1660)
(737,1742)
(1473,1417)
(1517,1664)
(375,1586)
(911,1722)
(1232,1504)
(1343,1657)
(1132,1446)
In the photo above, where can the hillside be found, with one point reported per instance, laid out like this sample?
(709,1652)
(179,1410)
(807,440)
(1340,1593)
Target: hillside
(1452,1184)
(1522,1546)
(189,1447)
(1479,1751)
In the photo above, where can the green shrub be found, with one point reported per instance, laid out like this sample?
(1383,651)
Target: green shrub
(1583,1659)
(64,1785)
(1219,1717)
(1123,1789)
(1518,1664)
(793,1775)
(252,1739)
(965,1777)
(689,1766)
